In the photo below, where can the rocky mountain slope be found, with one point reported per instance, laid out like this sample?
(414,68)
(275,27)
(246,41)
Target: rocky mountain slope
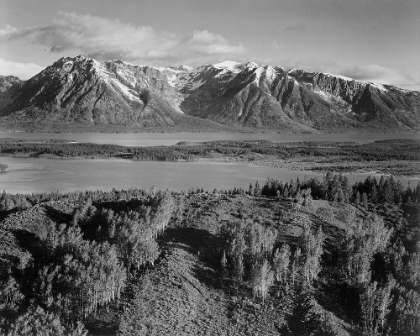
(82,91)
(8,85)
(6,82)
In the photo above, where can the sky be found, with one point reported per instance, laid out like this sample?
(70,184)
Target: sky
(373,40)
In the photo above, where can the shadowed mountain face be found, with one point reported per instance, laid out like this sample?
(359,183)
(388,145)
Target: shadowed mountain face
(8,86)
(83,91)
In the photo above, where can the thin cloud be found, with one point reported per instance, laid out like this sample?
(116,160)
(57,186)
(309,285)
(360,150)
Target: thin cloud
(106,39)
(377,73)
(21,70)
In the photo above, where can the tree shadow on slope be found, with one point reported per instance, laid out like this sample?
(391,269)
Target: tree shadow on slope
(105,321)
(342,301)
(204,245)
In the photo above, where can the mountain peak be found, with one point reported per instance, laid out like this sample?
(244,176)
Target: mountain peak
(184,67)
(85,91)
(339,76)
(228,65)
(250,65)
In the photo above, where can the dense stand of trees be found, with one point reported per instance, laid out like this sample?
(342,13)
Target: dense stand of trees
(247,254)
(56,274)
(374,267)
(64,256)
(376,151)
(252,254)
(336,188)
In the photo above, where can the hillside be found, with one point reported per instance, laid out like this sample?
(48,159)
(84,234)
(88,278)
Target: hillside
(298,258)
(229,96)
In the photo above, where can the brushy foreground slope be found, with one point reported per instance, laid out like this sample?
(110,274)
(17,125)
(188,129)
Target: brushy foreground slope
(300,258)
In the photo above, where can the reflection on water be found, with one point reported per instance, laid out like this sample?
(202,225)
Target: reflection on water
(29,175)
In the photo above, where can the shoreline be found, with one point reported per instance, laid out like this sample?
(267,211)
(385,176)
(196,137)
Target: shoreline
(228,129)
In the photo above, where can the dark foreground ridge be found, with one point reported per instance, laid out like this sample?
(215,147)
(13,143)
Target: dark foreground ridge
(298,258)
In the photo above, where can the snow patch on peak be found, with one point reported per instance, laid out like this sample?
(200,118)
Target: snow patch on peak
(111,79)
(228,69)
(98,66)
(124,89)
(161,69)
(249,66)
(228,65)
(322,94)
(258,74)
(270,73)
(292,71)
(235,67)
(68,66)
(378,86)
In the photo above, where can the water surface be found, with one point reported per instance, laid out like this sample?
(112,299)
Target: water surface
(28,175)
(31,175)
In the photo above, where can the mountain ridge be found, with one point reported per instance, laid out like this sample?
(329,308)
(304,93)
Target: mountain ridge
(83,91)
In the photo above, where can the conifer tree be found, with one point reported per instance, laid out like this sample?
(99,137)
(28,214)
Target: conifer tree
(375,302)
(365,200)
(357,199)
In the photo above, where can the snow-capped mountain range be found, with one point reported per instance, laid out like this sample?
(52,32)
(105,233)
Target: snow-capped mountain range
(84,91)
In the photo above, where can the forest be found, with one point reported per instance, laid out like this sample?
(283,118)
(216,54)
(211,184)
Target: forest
(383,150)
(311,257)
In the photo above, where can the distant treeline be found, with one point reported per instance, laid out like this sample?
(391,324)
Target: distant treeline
(378,150)
(336,188)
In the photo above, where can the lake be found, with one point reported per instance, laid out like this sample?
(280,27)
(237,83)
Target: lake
(167,139)
(29,175)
